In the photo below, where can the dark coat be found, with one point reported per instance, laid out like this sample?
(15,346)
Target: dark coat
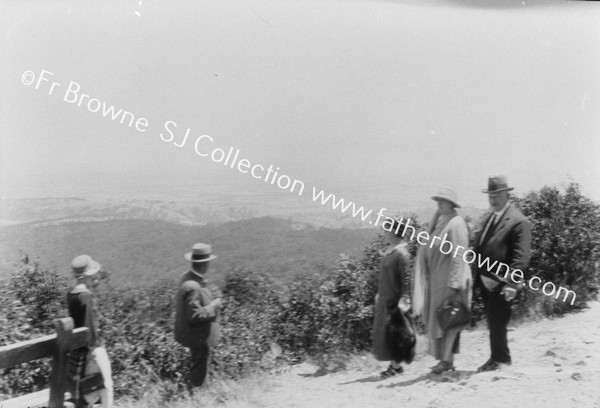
(80,303)
(196,320)
(509,242)
(392,277)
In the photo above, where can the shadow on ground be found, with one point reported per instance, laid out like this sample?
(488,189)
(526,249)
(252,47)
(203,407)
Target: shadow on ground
(454,376)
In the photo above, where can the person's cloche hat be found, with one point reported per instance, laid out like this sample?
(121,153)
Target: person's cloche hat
(84,265)
(446,194)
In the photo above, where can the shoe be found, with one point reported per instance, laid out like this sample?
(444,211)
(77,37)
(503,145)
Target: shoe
(442,367)
(489,365)
(391,371)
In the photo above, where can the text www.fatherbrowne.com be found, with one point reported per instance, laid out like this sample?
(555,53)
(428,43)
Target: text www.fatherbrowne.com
(206,147)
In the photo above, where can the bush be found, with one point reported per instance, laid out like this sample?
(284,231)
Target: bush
(565,248)
(28,302)
(333,312)
(250,306)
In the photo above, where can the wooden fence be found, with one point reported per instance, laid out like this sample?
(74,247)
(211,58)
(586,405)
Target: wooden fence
(58,346)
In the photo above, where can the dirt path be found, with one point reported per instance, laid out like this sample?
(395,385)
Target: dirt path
(556,364)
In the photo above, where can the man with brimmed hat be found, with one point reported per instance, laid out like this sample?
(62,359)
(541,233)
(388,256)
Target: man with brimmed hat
(505,238)
(197,313)
(90,359)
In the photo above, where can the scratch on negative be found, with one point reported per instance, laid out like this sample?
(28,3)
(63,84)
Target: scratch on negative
(259,16)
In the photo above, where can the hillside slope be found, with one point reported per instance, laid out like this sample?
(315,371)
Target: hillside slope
(556,365)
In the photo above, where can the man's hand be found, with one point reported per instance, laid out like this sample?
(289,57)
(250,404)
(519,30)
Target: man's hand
(218,303)
(404,305)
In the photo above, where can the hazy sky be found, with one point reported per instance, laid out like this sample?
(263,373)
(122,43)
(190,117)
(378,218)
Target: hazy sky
(338,94)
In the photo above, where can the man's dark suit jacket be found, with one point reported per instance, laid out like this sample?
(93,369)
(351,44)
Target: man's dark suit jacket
(508,242)
(196,320)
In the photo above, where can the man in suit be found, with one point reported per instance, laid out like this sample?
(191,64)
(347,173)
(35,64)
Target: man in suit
(197,313)
(505,238)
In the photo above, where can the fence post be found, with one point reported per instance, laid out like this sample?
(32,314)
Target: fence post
(60,362)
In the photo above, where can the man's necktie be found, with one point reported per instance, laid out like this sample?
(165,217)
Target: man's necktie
(487,228)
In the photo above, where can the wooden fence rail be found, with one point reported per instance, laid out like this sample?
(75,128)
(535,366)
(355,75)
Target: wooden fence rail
(58,346)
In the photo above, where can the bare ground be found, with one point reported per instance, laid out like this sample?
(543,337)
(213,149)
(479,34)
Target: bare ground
(556,364)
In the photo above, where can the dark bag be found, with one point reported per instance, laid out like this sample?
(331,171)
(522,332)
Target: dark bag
(91,383)
(400,334)
(452,314)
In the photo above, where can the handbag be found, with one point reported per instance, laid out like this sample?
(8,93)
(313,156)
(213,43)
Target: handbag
(452,314)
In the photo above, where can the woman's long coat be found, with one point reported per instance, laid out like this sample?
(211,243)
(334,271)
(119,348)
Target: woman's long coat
(445,270)
(392,285)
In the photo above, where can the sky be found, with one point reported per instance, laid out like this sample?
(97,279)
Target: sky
(362,98)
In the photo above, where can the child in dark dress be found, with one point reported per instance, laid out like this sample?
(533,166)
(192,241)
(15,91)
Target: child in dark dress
(91,358)
(392,288)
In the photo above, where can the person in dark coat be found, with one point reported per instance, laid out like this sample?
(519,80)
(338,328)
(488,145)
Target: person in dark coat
(197,314)
(80,301)
(91,358)
(505,237)
(392,287)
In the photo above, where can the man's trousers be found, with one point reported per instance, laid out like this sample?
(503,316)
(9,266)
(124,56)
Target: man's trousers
(498,313)
(199,366)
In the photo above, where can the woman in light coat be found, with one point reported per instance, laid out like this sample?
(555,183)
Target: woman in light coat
(441,274)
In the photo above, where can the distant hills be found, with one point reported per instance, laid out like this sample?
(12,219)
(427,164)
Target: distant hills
(139,251)
(217,208)
(140,240)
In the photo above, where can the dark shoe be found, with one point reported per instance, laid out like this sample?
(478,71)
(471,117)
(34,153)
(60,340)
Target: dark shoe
(391,371)
(442,367)
(489,365)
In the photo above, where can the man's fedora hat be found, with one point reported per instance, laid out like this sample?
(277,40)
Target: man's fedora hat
(200,253)
(447,194)
(84,265)
(497,184)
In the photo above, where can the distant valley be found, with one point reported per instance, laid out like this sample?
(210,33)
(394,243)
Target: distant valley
(138,252)
(141,240)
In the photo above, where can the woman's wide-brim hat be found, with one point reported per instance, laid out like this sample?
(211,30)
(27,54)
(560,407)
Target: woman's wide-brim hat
(84,265)
(447,194)
(497,184)
(200,253)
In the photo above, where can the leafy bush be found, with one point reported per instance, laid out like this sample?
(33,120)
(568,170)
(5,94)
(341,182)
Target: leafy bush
(565,248)
(27,303)
(250,306)
(333,311)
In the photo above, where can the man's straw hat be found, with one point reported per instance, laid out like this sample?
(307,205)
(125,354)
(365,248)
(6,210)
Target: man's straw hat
(200,253)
